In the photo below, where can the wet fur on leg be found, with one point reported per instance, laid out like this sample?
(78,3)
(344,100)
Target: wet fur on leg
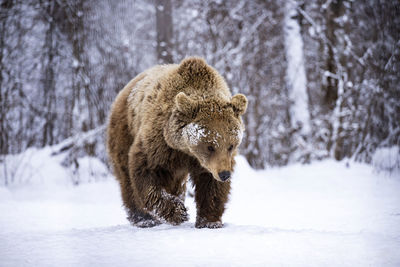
(211,197)
(166,207)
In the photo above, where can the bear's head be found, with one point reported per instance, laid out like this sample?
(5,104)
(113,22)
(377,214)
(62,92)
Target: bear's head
(211,130)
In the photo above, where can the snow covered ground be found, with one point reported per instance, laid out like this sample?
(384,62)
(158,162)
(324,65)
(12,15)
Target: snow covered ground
(323,214)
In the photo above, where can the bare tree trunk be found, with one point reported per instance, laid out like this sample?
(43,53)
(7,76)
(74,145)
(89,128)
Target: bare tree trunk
(82,98)
(331,75)
(331,94)
(337,82)
(164,31)
(5,6)
(296,77)
(4,105)
(48,76)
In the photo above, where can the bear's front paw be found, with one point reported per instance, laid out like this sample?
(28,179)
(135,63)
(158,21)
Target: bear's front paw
(142,220)
(203,223)
(170,209)
(177,213)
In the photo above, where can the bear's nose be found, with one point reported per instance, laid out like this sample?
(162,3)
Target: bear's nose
(225,175)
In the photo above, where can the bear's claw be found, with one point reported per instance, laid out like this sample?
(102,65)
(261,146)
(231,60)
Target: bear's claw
(143,220)
(169,209)
(202,223)
(178,213)
(147,223)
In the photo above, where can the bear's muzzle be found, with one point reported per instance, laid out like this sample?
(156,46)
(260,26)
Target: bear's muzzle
(224,175)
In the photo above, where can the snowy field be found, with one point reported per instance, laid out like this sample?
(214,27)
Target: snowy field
(324,214)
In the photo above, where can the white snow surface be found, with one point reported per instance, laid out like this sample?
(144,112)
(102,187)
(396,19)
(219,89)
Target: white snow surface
(324,214)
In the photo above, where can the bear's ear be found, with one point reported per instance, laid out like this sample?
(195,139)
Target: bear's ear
(239,104)
(186,105)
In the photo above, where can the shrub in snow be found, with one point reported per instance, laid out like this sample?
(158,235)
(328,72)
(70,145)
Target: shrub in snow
(387,159)
(43,167)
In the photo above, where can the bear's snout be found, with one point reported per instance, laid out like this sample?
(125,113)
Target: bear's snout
(224,175)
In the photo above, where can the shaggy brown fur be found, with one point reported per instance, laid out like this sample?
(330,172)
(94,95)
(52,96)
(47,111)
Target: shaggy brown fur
(168,122)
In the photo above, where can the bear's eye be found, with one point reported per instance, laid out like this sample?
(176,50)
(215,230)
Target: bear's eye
(230,148)
(211,148)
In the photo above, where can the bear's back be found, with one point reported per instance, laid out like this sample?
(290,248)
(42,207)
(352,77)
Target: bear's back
(148,97)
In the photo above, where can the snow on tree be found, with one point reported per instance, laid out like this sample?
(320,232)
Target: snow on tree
(296,76)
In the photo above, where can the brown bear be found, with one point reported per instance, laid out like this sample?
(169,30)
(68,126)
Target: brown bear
(168,122)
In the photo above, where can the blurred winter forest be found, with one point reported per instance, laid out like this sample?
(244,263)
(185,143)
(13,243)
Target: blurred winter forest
(322,76)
